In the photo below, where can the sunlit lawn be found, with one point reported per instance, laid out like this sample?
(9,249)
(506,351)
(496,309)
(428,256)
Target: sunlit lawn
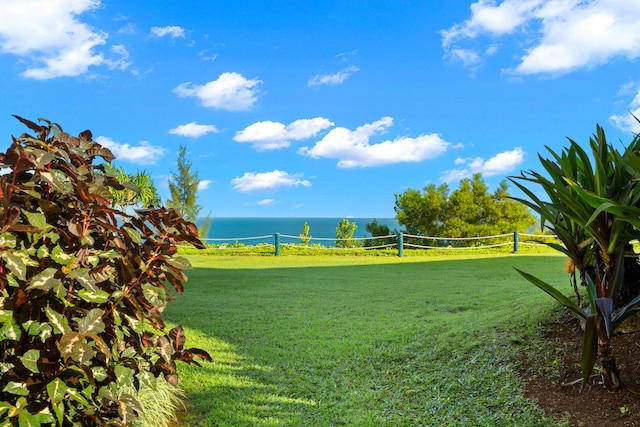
(361,341)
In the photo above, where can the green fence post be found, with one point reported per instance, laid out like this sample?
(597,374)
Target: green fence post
(276,238)
(515,242)
(400,245)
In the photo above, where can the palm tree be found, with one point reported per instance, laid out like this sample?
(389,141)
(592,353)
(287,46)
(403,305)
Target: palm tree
(138,189)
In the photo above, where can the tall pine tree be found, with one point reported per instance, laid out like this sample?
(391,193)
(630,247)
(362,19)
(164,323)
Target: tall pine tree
(183,186)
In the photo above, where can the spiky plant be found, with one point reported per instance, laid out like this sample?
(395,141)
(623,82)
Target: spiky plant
(593,206)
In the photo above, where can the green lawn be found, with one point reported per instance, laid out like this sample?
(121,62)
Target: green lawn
(361,341)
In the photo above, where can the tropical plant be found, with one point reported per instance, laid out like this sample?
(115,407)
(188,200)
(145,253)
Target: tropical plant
(183,186)
(593,207)
(344,234)
(82,287)
(139,189)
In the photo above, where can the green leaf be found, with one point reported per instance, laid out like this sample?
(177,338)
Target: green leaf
(30,360)
(68,344)
(59,322)
(16,388)
(44,280)
(133,234)
(44,418)
(179,262)
(124,375)
(99,373)
(92,323)
(72,347)
(10,331)
(589,347)
(41,330)
(57,389)
(7,240)
(556,294)
(73,394)
(5,406)
(85,280)
(136,324)
(605,309)
(58,408)
(6,316)
(97,296)
(37,219)
(154,294)
(61,257)
(16,264)
(43,252)
(25,419)
(11,281)
(629,309)
(592,293)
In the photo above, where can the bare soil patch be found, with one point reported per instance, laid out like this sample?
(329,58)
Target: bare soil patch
(551,367)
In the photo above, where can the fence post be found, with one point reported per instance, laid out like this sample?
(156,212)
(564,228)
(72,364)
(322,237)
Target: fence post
(515,242)
(400,244)
(276,238)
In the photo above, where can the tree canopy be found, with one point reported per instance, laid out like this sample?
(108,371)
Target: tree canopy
(468,211)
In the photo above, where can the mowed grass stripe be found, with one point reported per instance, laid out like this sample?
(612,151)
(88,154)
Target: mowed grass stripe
(359,341)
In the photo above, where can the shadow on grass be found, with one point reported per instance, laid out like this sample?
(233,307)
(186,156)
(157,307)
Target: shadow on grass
(234,391)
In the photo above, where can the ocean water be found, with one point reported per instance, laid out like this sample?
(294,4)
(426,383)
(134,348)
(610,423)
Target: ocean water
(252,231)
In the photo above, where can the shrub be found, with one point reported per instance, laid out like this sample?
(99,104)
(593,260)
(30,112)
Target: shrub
(82,287)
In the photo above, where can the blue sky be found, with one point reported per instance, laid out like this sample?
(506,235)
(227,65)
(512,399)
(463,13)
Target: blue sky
(322,108)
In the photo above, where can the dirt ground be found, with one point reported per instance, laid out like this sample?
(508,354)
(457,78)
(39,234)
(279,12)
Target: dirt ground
(550,373)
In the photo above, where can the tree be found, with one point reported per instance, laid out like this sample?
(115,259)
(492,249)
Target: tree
(139,189)
(377,230)
(344,231)
(183,187)
(422,213)
(469,211)
(593,207)
(205,226)
(305,238)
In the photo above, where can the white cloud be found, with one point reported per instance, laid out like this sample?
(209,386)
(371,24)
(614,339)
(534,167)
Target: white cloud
(268,135)
(143,154)
(127,29)
(252,181)
(466,56)
(203,184)
(563,35)
(332,79)
(206,56)
(231,91)
(52,40)
(627,121)
(266,202)
(352,147)
(121,62)
(172,31)
(193,130)
(500,163)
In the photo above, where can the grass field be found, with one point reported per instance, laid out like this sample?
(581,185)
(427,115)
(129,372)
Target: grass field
(361,341)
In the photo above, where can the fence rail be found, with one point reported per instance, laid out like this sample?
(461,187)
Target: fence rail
(399,241)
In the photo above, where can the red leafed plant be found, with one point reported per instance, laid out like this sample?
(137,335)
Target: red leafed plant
(82,286)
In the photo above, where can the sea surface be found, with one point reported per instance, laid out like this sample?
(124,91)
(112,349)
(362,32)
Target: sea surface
(251,231)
